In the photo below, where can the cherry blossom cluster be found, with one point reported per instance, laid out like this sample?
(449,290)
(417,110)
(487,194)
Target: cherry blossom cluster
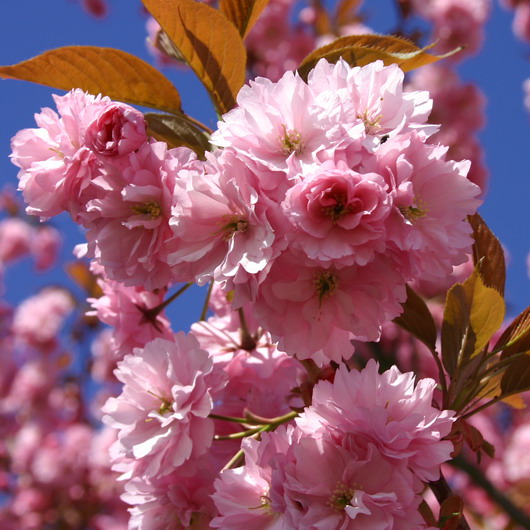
(323,200)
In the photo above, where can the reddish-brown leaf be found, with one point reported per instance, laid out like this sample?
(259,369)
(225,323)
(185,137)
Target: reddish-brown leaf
(242,13)
(111,72)
(417,319)
(360,50)
(209,43)
(488,251)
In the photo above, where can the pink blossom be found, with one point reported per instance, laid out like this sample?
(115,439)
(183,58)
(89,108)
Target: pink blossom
(162,412)
(369,101)
(45,246)
(260,377)
(516,458)
(180,499)
(338,215)
(521,21)
(129,232)
(457,23)
(56,169)
(38,319)
(315,312)
(386,410)
(329,486)
(275,125)
(243,495)
(460,110)
(275,45)
(117,130)
(15,239)
(224,226)
(432,198)
(126,309)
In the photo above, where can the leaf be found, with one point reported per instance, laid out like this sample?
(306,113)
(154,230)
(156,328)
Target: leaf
(360,50)
(473,313)
(345,11)
(177,131)
(209,43)
(111,72)
(417,319)
(488,249)
(84,278)
(451,511)
(517,334)
(242,13)
(516,378)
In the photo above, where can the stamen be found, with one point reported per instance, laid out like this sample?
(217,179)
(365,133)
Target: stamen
(232,223)
(418,210)
(341,497)
(148,208)
(325,283)
(337,210)
(290,141)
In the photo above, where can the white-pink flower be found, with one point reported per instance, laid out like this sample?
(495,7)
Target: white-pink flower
(387,410)
(224,226)
(56,168)
(162,412)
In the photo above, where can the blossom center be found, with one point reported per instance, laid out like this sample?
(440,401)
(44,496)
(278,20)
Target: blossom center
(151,209)
(416,211)
(232,223)
(291,141)
(371,123)
(341,497)
(325,283)
(338,209)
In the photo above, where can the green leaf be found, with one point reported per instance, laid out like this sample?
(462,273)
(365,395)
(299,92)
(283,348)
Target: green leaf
(111,72)
(209,43)
(242,13)
(488,251)
(473,313)
(417,319)
(177,131)
(360,50)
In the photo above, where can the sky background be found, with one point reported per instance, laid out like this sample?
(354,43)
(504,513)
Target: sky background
(30,27)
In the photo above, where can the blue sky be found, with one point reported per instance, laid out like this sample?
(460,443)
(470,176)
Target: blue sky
(30,27)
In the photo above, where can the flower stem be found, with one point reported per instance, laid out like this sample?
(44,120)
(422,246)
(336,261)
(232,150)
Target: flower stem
(442,491)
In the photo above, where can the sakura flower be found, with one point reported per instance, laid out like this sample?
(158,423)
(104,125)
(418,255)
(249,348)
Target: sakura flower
(162,412)
(370,97)
(328,486)
(15,239)
(129,232)
(386,410)
(45,246)
(56,168)
(116,130)
(38,319)
(338,215)
(275,125)
(224,227)
(314,312)
(126,309)
(431,197)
